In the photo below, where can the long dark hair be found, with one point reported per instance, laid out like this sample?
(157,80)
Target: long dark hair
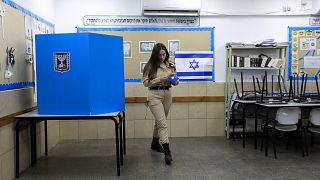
(154,61)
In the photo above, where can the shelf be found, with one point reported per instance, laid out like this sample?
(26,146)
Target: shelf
(253,68)
(276,52)
(254,47)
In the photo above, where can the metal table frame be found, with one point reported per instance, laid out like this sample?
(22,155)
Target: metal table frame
(243,104)
(33,117)
(270,106)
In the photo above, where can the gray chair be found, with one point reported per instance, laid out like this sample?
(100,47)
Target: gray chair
(313,125)
(286,120)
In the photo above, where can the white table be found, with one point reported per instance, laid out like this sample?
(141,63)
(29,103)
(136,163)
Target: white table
(33,117)
(269,106)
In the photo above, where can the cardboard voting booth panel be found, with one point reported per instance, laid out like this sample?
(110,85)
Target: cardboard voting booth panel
(79,74)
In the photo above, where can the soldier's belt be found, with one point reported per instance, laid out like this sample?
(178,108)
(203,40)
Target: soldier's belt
(160,88)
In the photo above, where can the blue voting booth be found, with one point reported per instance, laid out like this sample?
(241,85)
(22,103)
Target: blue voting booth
(79,74)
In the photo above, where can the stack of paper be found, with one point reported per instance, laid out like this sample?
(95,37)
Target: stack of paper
(266,42)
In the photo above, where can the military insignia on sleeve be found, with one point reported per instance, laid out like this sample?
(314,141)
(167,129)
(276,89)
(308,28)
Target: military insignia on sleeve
(62,61)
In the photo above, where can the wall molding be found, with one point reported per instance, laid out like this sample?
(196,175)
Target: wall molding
(9,118)
(178,99)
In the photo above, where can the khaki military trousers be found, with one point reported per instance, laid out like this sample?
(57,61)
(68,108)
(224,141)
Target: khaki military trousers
(159,102)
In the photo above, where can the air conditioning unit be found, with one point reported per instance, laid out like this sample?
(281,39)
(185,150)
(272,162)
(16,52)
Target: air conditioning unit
(171,7)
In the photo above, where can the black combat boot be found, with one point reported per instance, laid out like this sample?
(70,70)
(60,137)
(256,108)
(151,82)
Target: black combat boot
(156,146)
(167,153)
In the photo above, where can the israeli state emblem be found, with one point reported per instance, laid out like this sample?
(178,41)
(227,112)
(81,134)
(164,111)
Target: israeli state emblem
(62,61)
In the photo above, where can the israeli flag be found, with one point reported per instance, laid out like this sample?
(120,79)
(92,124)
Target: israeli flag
(194,64)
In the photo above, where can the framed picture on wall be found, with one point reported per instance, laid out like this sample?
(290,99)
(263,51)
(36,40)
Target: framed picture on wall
(146,46)
(173,45)
(142,65)
(127,49)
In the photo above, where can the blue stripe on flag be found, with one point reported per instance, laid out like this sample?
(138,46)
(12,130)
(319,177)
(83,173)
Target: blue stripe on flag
(193,55)
(207,73)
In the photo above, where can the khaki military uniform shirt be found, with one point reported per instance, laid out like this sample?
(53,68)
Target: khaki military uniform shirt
(163,70)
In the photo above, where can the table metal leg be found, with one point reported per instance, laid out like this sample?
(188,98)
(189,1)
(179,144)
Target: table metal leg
(312,139)
(17,150)
(233,121)
(243,125)
(121,142)
(256,128)
(34,124)
(267,135)
(32,144)
(124,133)
(46,137)
(117,145)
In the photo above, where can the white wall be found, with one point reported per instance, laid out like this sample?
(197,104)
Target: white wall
(257,7)
(69,14)
(316,4)
(42,8)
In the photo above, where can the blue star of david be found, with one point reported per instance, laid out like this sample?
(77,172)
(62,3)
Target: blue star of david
(194,64)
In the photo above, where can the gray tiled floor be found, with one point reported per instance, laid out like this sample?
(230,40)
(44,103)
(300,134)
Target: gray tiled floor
(194,158)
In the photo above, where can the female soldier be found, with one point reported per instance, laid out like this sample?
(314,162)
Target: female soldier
(155,77)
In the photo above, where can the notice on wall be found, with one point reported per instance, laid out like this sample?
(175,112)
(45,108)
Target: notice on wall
(308,43)
(103,20)
(312,62)
(314,21)
(304,52)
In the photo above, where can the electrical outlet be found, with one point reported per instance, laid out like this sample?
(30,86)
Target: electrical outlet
(286,8)
(2,11)
(8,74)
